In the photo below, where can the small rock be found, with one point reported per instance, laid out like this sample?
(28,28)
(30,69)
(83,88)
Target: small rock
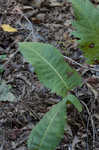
(37,3)
(56,3)
(41,16)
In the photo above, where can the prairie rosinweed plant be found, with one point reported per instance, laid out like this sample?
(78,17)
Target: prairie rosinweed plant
(57,75)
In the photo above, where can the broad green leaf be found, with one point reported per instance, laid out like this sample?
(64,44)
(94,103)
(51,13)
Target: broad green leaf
(48,132)
(5,94)
(87,28)
(72,99)
(50,67)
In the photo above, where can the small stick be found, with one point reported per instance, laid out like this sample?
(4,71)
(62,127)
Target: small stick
(85,67)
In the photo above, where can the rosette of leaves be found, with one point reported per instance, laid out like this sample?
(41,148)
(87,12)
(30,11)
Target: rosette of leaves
(57,75)
(86,26)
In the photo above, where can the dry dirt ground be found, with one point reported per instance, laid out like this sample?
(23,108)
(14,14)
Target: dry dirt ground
(49,22)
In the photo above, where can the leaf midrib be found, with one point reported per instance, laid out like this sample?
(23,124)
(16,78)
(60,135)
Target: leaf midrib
(48,128)
(52,69)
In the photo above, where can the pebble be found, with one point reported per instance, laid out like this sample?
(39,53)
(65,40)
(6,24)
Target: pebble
(41,16)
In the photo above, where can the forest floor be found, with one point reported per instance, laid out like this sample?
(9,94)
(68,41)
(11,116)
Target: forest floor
(48,22)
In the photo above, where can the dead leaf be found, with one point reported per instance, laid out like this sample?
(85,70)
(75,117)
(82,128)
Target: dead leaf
(8,28)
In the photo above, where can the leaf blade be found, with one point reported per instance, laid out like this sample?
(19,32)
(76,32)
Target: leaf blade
(49,131)
(50,67)
(73,99)
(87,28)
(8,28)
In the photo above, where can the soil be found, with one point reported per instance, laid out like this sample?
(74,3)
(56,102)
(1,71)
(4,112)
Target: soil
(48,22)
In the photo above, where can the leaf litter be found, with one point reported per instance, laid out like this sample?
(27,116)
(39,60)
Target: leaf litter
(48,23)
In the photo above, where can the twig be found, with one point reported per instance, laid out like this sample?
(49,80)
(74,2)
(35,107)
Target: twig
(1,148)
(92,124)
(3,142)
(19,143)
(85,67)
(11,56)
(32,30)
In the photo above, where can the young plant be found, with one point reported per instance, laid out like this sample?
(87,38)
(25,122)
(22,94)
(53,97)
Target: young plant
(57,75)
(86,24)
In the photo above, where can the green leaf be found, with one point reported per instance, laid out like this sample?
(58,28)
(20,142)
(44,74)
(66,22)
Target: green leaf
(5,94)
(50,67)
(48,132)
(87,28)
(72,99)
(1,69)
(3,57)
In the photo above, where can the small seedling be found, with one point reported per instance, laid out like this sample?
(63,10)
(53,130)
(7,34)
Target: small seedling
(57,75)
